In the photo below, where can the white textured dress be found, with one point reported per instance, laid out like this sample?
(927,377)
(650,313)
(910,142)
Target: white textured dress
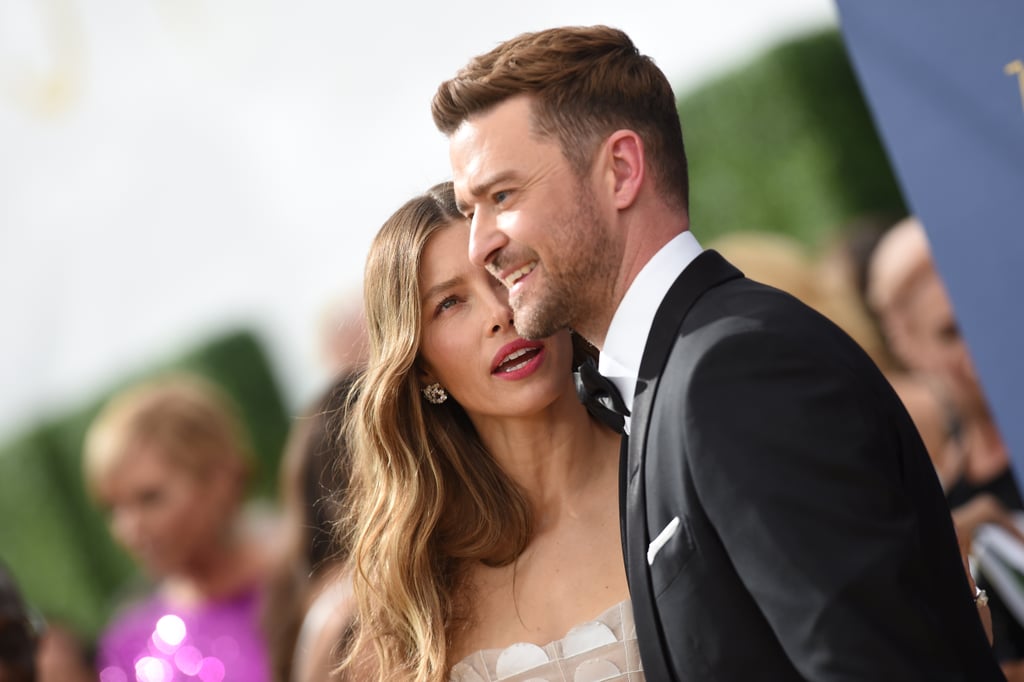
(601,650)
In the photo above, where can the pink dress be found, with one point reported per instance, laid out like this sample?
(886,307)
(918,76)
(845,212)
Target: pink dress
(151,641)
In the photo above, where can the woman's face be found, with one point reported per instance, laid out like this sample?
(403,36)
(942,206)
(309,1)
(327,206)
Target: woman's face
(167,517)
(469,343)
(936,342)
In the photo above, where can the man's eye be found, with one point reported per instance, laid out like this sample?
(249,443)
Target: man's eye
(500,197)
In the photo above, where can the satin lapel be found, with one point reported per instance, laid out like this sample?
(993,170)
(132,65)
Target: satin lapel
(706,271)
(623,479)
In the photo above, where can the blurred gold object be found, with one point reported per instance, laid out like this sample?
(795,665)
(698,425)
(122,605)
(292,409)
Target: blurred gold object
(1016,68)
(51,89)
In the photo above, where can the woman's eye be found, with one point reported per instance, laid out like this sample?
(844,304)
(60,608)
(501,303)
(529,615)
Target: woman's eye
(447,303)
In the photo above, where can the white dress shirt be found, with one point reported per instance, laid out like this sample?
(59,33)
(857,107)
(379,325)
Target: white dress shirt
(627,334)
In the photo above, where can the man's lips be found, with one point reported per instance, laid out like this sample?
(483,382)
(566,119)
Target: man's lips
(509,278)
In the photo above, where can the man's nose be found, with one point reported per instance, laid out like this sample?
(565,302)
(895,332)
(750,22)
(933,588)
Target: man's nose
(485,240)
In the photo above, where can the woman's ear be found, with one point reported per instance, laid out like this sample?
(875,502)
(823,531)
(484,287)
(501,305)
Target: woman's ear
(225,489)
(424,376)
(233,480)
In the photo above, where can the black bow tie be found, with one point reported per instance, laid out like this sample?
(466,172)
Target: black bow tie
(601,397)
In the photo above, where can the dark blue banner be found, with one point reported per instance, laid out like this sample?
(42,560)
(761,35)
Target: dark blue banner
(945,82)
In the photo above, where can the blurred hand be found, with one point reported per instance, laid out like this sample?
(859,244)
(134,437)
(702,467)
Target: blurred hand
(984,614)
(984,508)
(967,518)
(61,657)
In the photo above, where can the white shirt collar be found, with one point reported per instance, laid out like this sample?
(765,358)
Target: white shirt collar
(627,334)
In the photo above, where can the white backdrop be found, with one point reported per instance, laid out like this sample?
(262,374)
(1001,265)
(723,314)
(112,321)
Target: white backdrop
(169,168)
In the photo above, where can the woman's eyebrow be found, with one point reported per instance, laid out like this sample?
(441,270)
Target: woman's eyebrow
(441,286)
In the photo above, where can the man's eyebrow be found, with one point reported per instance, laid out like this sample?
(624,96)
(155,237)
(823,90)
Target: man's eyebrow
(441,286)
(483,187)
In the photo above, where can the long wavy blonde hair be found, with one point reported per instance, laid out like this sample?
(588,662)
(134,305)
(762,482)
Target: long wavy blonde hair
(426,497)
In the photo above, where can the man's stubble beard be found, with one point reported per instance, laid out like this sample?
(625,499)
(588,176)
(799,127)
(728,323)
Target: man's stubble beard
(577,292)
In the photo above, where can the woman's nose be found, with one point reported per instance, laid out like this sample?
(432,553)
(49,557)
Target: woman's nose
(501,312)
(126,526)
(497,327)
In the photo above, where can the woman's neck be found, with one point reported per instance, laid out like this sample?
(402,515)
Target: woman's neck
(571,569)
(553,456)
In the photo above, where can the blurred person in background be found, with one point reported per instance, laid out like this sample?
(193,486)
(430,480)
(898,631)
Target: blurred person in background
(485,530)
(842,267)
(306,611)
(939,384)
(62,655)
(18,634)
(168,462)
(33,649)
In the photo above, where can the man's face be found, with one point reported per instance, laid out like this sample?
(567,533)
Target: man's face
(536,226)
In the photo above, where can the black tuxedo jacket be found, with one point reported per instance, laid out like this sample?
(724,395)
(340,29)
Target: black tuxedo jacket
(781,517)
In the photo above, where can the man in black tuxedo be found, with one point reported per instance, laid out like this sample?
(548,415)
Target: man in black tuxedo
(781,518)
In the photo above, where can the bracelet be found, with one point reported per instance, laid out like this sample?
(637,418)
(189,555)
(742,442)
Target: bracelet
(980,597)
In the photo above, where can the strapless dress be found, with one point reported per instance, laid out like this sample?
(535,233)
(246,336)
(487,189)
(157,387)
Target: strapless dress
(601,650)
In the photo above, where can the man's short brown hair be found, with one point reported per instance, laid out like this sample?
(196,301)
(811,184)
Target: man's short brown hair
(585,83)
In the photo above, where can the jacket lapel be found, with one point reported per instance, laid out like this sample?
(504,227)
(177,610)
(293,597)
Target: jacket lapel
(705,272)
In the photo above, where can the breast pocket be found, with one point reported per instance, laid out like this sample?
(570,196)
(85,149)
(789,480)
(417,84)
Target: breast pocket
(669,553)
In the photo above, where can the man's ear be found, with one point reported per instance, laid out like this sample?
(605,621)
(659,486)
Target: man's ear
(623,154)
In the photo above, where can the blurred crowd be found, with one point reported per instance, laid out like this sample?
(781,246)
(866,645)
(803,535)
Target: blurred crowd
(167,461)
(226,595)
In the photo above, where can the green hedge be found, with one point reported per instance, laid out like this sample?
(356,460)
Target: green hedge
(786,144)
(55,542)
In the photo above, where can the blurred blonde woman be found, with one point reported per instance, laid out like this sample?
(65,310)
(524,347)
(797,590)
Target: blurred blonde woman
(485,518)
(168,463)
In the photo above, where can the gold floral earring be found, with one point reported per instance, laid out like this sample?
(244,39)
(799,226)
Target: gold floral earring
(435,393)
